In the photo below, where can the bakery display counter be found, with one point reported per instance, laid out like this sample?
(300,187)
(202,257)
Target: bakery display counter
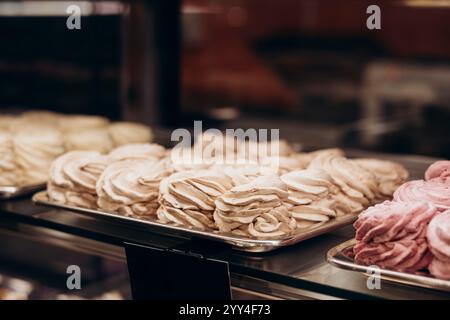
(296,272)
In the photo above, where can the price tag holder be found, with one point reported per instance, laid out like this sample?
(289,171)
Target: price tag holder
(175,274)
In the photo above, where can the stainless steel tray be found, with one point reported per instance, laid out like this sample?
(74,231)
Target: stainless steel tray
(8,192)
(238,243)
(337,256)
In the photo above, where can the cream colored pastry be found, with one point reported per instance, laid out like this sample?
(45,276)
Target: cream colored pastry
(10,174)
(389,175)
(282,165)
(68,123)
(359,187)
(187,197)
(7,121)
(123,133)
(256,209)
(35,152)
(185,159)
(40,117)
(73,178)
(215,147)
(138,150)
(258,151)
(131,187)
(311,192)
(89,140)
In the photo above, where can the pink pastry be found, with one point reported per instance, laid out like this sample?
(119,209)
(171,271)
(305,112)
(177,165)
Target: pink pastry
(404,255)
(439,169)
(436,191)
(438,236)
(391,221)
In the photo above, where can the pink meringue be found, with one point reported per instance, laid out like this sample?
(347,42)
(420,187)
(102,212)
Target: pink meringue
(438,236)
(404,255)
(392,221)
(439,169)
(435,191)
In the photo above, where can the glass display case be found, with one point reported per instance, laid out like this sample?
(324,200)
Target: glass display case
(310,69)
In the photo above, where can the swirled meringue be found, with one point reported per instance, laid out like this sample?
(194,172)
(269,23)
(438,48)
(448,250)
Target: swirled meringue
(389,175)
(255,209)
(356,183)
(130,187)
(403,255)
(96,139)
(138,150)
(69,123)
(73,178)
(394,220)
(438,236)
(311,194)
(35,153)
(123,133)
(436,191)
(187,197)
(439,169)
(9,171)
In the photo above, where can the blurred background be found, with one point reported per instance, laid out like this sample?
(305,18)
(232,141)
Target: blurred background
(308,67)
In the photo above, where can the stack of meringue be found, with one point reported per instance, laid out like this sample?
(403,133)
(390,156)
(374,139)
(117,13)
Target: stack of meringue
(31,141)
(257,209)
(412,232)
(188,197)
(125,181)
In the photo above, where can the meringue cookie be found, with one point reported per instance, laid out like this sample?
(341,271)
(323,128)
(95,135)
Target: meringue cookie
(96,139)
(129,132)
(436,191)
(403,255)
(311,194)
(356,183)
(35,153)
(138,150)
(389,175)
(69,123)
(438,236)
(9,171)
(392,221)
(187,198)
(7,122)
(439,169)
(73,178)
(255,209)
(130,187)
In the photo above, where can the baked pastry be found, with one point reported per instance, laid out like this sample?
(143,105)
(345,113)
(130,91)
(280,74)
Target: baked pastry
(392,235)
(439,169)
(10,174)
(187,197)
(256,209)
(358,186)
(35,152)
(436,191)
(130,187)
(96,139)
(68,123)
(123,133)
(138,150)
(438,236)
(73,178)
(389,175)
(311,193)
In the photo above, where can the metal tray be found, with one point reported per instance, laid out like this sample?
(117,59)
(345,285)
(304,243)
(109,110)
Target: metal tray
(8,192)
(238,243)
(337,256)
